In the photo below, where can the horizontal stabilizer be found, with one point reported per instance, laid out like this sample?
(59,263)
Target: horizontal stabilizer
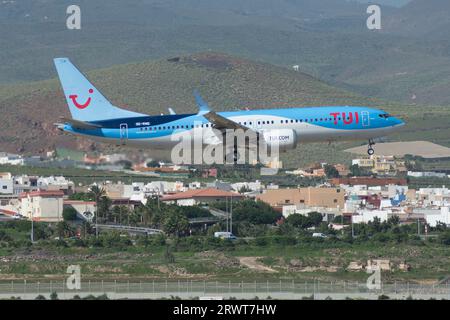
(77,124)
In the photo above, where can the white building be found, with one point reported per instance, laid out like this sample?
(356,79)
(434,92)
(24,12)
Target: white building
(434,196)
(55,183)
(434,215)
(443,216)
(24,183)
(253,186)
(42,205)
(85,209)
(11,159)
(365,216)
(6,183)
(287,210)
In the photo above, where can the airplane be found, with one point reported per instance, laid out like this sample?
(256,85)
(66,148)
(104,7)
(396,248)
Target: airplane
(95,117)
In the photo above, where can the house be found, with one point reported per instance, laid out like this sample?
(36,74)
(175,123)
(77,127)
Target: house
(309,197)
(55,183)
(85,209)
(11,159)
(380,164)
(6,183)
(211,172)
(342,169)
(42,205)
(195,197)
(25,183)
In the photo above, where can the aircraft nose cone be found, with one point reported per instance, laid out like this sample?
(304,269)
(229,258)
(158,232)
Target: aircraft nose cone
(398,122)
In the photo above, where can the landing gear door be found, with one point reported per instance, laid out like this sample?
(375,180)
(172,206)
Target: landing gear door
(123,133)
(365,120)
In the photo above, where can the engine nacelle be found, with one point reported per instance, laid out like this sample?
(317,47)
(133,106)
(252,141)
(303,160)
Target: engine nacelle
(283,139)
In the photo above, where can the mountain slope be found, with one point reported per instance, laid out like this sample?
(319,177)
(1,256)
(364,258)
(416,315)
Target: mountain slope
(407,61)
(425,18)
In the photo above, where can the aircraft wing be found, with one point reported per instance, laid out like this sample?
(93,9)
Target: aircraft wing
(222,123)
(77,124)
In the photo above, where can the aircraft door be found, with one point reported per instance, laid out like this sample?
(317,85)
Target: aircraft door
(123,133)
(365,118)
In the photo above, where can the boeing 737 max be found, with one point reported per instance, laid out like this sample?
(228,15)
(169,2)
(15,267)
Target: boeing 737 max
(95,117)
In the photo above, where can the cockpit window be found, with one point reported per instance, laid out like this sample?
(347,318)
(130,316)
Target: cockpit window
(385,115)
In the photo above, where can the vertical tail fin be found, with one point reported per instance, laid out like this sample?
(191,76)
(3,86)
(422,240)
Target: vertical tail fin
(86,103)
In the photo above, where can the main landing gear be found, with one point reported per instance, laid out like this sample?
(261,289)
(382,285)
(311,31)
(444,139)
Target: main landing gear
(370,150)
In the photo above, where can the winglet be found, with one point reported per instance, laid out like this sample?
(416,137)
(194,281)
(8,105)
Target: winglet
(202,105)
(171,111)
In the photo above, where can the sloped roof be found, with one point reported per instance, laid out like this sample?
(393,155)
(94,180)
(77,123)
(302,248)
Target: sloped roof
(202,193)
(40,193)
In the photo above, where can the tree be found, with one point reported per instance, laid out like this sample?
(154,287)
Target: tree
(444,238)
(355,170)
(153,164)
(97,194)
(64,230)
(331,171)
(175,223)
(126,164)
(299,221)
(256,212)
(104,208)
(69,214)
(120,214)
(315,218)
(244,189)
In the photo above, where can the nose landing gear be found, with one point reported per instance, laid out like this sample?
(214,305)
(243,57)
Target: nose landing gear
(370,150)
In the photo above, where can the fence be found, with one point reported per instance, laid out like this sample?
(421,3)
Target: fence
(245,290)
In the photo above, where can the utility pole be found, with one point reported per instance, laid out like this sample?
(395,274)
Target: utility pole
(32,228)
(228,214)
(96,219)
(32,222)
(353,230)
(231,215)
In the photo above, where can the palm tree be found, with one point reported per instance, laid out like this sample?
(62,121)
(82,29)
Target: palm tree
(97,193)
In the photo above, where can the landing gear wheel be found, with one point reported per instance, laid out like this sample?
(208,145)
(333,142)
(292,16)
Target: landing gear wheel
(370,150)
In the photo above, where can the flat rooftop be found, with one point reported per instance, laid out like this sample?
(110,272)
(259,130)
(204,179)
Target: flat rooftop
(424,149)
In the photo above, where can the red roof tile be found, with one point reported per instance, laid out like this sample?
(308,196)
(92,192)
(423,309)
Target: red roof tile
(41,193)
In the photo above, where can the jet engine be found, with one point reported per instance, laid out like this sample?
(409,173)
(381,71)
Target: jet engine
(283,139)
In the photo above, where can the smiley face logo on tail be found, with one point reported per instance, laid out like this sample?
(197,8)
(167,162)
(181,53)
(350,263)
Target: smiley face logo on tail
(78,105)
